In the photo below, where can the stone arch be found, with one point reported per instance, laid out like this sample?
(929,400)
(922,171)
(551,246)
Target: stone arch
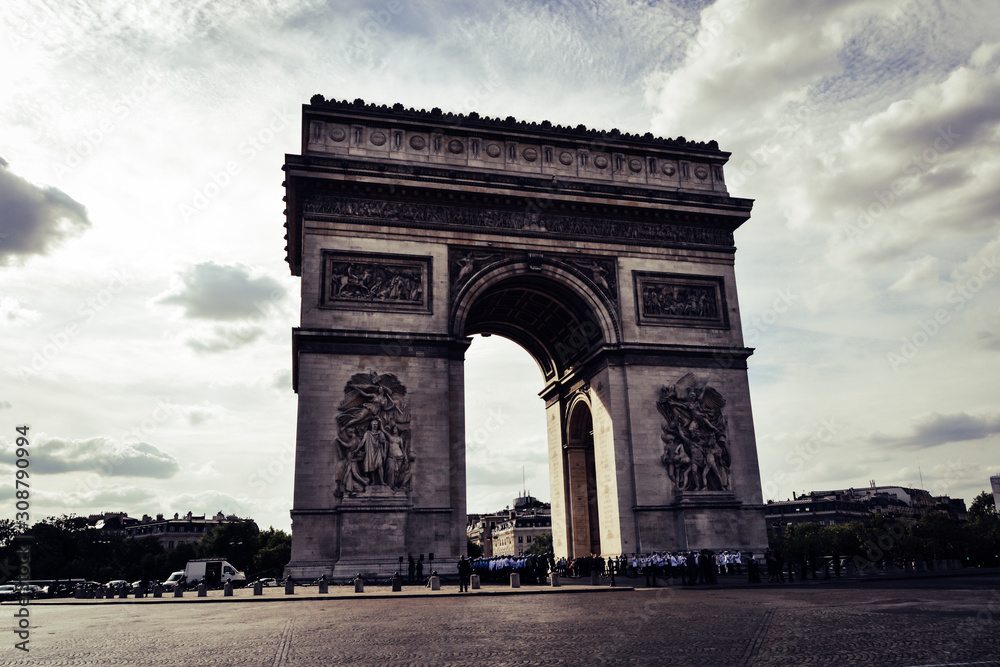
(543,307)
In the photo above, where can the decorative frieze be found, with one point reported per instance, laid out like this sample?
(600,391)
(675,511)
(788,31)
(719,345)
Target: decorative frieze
(366,281)
(599,272)
(406,214)
(680,300)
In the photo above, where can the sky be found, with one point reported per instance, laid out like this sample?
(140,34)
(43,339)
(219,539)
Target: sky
(146,308)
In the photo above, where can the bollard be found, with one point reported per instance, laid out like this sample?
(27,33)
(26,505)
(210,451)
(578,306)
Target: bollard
(122,594)
(178,591)
(435,582)
(397,585)
(324,587)
(359,584)
(78,593)
(474,582)
(289,586)
(515,580)
(202,590)
(554,580)
(157,591)
(258,588)
(227,590)
(595,579)
(140,593)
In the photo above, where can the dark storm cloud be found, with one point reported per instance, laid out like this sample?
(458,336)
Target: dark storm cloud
(104,456)
(32,218)
(938,429)
(213,291)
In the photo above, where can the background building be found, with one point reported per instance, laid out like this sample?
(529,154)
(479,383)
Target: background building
(829,508)
(169,532)
(512,531)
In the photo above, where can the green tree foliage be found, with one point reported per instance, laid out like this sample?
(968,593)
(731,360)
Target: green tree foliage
(236,541)
(934,537)
(983,530)
(273,553)
(541,545)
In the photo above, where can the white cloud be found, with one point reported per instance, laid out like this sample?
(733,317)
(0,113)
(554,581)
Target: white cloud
(219,292)
(108,457)
(923,271)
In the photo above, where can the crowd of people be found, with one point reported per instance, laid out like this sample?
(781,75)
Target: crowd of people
(690,568)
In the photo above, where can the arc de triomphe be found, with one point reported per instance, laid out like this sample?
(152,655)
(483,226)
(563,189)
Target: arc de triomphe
(607,256)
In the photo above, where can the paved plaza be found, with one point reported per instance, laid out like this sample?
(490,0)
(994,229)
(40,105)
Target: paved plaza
(941,621)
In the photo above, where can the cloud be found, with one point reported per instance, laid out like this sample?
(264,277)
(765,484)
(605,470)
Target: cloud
(923,271)
(5,404)
(12,313)
(105,456)
(223,338)
(213,291)
(58,502)
(209,502)
(937,429)
(35,218)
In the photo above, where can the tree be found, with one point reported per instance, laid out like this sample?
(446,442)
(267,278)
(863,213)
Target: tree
(473,549)
(982,532)
(235,541)
(541,545)
(274,552)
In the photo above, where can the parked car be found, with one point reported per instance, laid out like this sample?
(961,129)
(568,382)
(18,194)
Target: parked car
(268,581)
(8,592)
(174,579)
(32,591)
(118,584)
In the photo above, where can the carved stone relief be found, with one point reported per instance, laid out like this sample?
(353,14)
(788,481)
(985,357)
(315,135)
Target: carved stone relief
(695,443)
(675,299)
(406,214)
(373,437)
(600,272)
(379,282)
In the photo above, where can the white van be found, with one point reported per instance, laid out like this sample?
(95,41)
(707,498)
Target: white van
(213,571)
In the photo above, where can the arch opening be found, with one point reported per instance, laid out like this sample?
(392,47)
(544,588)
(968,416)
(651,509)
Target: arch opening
(548,319)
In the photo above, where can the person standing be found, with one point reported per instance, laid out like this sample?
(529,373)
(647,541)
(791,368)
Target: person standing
(464,570)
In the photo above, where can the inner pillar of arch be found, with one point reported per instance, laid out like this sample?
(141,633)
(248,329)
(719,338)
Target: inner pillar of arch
(580,480)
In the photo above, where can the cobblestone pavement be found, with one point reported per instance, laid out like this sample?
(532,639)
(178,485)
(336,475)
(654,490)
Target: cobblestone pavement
(889,623)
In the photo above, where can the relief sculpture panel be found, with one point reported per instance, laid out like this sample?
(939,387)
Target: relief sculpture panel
(695,444)
(362,281)
(373,438)
(680,300)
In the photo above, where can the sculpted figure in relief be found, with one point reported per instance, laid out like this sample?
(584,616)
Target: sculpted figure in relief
(695,450)
(373,440)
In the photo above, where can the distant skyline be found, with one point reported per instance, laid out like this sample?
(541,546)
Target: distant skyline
(146,309)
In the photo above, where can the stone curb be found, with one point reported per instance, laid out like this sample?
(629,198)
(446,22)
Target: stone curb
(338,596)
